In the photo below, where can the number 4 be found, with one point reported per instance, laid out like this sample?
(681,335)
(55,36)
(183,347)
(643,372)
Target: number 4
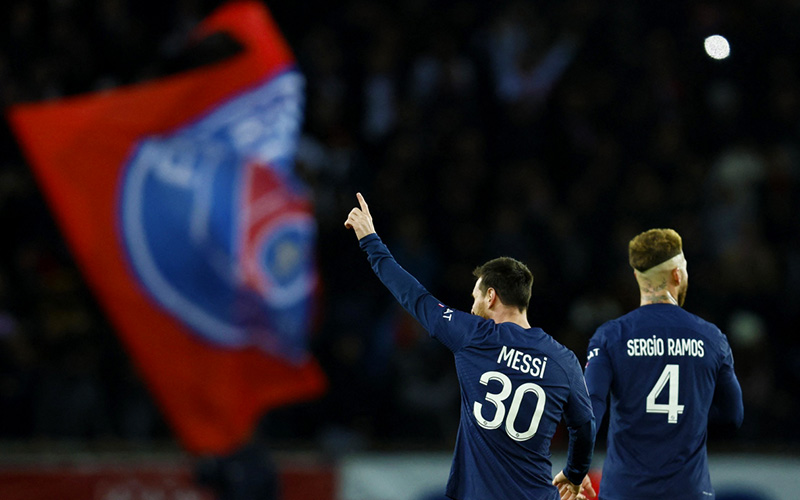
(670,375)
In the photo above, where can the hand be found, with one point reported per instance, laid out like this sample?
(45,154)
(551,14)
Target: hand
(359,219)
(586,487)
(570,491)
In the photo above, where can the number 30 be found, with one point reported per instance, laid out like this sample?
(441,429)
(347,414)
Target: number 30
(497,400)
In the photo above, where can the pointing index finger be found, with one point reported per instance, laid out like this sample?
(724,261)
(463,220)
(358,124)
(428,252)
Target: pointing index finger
(363,203)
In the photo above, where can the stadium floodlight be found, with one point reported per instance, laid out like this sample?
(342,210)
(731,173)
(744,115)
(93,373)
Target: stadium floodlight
(717,47)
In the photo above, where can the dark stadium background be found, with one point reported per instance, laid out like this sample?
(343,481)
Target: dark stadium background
(467,146)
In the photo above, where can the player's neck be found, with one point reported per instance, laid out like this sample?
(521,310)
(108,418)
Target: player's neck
(658,297)
(511,316)
(656,289)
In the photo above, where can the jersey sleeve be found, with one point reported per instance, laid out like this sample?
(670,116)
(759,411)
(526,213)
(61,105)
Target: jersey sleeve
(727,403)
(579,406)
(580,424)
(599,372)
(449,326)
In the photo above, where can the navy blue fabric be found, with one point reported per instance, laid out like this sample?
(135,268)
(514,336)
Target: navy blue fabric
(516,386)
(662,351)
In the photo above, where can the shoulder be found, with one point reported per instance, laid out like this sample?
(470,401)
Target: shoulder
(458,329)
(559,353)
(701,324)
(709,331)
(704,328)
(610,330)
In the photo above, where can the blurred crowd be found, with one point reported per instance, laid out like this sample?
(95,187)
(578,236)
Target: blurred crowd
(549,131)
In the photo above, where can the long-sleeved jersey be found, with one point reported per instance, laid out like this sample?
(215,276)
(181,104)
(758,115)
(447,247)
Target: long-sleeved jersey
(516,385)
(665,369)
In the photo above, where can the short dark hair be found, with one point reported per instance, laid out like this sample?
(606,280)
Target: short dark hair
(653,247)
(510,278)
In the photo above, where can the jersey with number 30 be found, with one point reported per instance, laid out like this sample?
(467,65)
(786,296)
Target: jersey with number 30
(663,367)
(516,385)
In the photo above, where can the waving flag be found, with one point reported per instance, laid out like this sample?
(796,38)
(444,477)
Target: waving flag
(179,202)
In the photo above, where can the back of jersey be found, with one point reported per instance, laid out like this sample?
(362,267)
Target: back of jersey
(516,385)
(661,364)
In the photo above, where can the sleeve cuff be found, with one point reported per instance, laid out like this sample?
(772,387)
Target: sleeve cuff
(573,477)
(363,242)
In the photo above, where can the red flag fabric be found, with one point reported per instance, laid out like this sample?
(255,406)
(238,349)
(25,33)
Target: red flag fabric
(177,198)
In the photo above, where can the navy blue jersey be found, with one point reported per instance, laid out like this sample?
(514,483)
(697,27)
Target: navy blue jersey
(516,385)
(663,368)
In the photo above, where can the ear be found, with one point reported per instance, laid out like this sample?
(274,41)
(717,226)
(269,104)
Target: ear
(491,297)
(677,276)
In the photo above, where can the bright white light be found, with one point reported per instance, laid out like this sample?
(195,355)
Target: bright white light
(717,47)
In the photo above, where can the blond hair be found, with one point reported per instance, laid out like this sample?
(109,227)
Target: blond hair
(650,248)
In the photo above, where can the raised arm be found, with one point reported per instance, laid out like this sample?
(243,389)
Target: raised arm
(405,288)
(443,323)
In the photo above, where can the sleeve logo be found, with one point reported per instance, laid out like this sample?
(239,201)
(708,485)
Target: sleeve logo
(448,314)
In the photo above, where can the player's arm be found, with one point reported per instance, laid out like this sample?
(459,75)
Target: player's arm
(727,404)
(581,426)
(573,482)
(598,374)
(406,289)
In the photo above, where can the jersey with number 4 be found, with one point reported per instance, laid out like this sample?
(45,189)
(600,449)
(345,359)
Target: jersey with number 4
(663,367)
(516,385)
